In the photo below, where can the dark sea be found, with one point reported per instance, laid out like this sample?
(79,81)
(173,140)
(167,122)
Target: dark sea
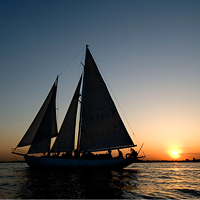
(161,180)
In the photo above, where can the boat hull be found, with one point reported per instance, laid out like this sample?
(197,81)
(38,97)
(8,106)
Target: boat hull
(39,162)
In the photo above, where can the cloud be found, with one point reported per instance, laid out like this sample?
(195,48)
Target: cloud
(191,154)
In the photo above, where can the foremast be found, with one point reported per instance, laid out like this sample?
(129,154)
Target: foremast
(66,137)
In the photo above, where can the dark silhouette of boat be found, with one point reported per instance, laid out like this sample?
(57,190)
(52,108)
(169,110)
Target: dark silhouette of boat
(100,128)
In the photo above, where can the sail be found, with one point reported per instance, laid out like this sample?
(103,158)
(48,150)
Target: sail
(101,125)
(65,140)
(43,126)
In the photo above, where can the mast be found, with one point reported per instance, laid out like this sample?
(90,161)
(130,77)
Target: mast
(82,100)
(101,126)
(52,119)
(66,137)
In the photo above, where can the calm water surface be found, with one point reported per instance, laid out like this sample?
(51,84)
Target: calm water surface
(140,180)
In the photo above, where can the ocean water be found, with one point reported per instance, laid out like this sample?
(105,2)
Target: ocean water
(139,181)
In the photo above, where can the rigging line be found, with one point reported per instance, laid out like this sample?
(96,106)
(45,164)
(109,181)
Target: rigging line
(81,67)
(116,100)
(58,93)
(71,61)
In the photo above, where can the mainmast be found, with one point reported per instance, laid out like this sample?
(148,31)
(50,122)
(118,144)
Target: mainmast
(100,125)
(82,100)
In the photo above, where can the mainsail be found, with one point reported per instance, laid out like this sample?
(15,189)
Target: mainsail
(43,127)
(101,125)
(65,140)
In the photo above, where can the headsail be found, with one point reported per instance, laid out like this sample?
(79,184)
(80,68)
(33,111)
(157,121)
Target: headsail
(43,127)
(101,126)
(65,140)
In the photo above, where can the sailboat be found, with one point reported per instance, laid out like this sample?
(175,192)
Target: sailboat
(100,128)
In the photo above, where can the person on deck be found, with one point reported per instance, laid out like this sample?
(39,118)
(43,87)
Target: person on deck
(110,153)
(77,154)
(134,153)
(120,154)
(58,153)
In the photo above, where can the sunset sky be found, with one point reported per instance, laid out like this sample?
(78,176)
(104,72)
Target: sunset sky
(147,50)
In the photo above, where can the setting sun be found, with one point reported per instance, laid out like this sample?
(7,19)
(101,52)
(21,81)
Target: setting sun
(174,153)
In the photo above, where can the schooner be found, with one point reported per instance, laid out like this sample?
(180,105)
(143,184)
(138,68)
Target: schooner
(100,128)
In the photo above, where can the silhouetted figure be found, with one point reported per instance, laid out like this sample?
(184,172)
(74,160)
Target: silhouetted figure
(83,155)
(120,154)
(110,153)
(67,154)
(63,155)
(48,154)
(76,154)
(134,153)
(58,153)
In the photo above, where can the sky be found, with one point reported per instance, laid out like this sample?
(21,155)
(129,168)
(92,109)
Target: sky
(148,52)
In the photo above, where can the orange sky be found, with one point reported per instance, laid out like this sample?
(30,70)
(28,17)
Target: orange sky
(154,149)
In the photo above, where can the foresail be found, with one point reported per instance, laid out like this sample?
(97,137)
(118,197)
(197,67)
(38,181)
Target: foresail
(101,126)
(48,127)
(44,124)
(65,140)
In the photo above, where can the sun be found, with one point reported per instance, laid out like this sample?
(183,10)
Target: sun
(174,153)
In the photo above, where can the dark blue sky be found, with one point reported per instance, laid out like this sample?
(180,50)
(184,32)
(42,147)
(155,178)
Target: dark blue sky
(147,50)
